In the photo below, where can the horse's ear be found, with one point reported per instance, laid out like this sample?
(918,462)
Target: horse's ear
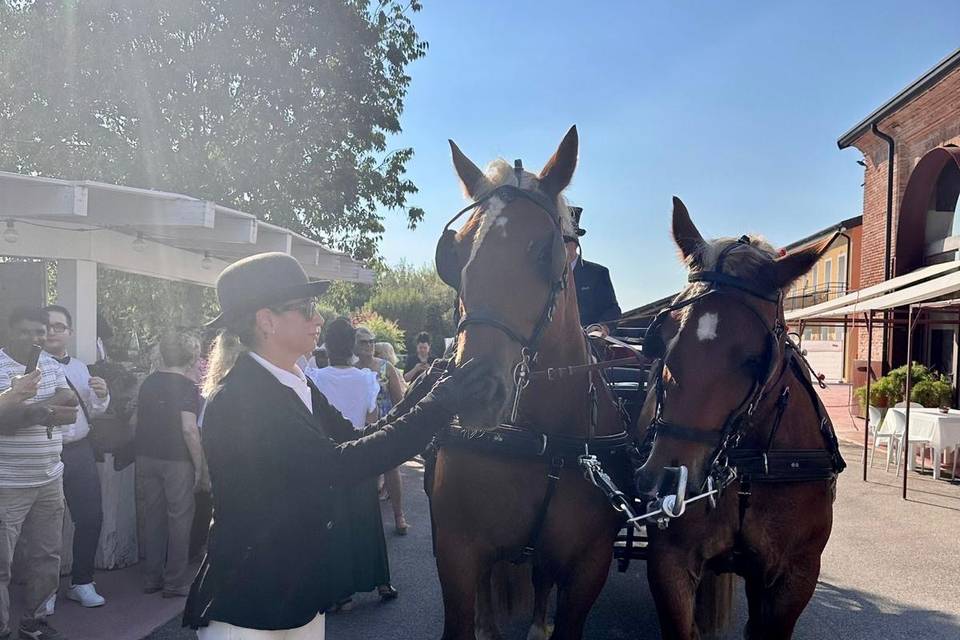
(471,177)
(793,265)
(685,234)
(558,172)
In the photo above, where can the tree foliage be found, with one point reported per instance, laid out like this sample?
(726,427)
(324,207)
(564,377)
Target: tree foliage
(279,108)
(417,299)
(140,308)
(385,330)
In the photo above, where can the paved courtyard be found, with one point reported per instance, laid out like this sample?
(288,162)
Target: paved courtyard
(890,571)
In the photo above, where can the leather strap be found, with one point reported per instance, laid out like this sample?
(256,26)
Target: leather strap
(553,477)
(782,465)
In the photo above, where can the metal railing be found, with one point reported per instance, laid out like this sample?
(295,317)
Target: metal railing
(807,297)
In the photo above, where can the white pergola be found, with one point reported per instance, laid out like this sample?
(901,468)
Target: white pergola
(82,224)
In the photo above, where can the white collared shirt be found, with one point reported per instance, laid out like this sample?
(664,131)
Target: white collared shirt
(296,381)
(79,375)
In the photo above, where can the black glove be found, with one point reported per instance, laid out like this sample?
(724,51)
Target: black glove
(472,383)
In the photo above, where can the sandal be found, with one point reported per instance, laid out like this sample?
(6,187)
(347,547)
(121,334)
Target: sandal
(402,526)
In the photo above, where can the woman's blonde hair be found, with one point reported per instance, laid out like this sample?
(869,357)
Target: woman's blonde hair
(236,338)
(384,351)
(179,349)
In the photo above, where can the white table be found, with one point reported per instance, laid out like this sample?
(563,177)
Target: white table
(940,430)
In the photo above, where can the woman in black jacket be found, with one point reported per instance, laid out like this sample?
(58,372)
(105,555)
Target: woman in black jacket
(278,451)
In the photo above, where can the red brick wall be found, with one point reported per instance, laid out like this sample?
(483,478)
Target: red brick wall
(929,121)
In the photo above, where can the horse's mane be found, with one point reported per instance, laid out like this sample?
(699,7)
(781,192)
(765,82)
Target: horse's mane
(747,261)
(743,260)
(500,172)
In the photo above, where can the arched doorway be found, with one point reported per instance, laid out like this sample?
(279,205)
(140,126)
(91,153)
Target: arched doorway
(928,228)
(928,232)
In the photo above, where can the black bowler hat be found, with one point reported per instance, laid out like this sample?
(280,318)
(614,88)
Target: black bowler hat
(575,216)
(259,281)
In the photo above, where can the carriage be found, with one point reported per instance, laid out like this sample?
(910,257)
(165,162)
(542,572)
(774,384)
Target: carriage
(582,446)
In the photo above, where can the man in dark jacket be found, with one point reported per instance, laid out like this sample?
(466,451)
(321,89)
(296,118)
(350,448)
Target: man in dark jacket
(599,309)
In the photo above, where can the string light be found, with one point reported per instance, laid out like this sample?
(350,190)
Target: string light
(207,262)
(139,244)
(10,234)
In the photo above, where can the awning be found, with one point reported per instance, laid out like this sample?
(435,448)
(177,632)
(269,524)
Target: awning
(175,236)
(923,284)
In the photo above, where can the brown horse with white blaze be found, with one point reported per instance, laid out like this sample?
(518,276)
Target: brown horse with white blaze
(517,300)
(734,403)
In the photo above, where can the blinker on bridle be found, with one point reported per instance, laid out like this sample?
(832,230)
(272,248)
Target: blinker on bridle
(558,279)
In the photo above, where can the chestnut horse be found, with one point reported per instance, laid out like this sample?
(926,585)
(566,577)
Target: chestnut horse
(733,402)
(518,309)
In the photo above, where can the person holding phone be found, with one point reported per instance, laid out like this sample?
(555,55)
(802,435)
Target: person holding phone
(31,474)
(280,454)
(420,360)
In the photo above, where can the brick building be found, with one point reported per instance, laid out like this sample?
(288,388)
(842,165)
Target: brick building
(909,205)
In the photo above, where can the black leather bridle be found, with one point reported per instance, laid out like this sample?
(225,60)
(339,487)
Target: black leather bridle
(530,344)
(718,471)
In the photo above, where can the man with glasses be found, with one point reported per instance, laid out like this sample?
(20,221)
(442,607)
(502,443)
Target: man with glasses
(81,482)
(31,478)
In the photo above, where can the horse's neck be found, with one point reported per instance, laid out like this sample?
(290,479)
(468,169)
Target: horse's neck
(563,406)
(800,425)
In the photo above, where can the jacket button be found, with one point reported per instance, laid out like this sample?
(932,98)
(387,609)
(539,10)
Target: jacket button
(330,525)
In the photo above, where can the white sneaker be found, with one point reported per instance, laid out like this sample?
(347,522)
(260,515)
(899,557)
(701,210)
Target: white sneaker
(86,595)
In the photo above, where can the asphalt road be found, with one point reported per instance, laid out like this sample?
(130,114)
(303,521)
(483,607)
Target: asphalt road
(890,571)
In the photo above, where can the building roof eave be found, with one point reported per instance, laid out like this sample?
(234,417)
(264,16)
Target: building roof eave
(849,223)
(913,90)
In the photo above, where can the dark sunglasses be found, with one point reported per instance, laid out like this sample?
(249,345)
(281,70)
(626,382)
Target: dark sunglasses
(307,308)
(364,341)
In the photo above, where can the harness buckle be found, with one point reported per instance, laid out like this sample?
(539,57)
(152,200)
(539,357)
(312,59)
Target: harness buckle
(543,444)
(766,466)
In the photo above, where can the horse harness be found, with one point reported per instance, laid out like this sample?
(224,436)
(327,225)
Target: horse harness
(520,441)
(728,461)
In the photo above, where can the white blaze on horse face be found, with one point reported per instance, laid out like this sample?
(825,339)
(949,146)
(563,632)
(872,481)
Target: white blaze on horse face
(491,215)
(707,327)
(501,225)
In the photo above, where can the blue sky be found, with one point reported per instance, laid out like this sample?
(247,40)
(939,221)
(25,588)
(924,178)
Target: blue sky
(733,106)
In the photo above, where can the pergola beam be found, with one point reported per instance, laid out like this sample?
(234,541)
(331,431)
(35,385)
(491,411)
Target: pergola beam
(32,199)
(116,208)
(226,230)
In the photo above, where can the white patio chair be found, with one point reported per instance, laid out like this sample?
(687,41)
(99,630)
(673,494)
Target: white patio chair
(900,428)
(876,423)
(891,429)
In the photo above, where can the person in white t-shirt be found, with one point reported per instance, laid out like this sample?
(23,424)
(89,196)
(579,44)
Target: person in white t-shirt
(353,392)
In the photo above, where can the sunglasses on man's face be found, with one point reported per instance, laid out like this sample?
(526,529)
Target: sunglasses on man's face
(364,341)
(307,308)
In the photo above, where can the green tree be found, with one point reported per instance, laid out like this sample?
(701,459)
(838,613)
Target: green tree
(139,308)
(276,107)
(417,300)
